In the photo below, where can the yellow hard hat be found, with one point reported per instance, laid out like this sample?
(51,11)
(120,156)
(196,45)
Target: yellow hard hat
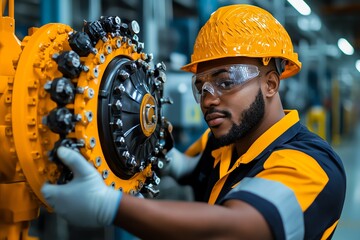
(244,31)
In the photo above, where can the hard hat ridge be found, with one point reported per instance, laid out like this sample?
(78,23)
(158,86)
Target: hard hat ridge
(244,31)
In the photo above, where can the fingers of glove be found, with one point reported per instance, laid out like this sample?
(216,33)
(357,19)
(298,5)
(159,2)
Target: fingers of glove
(83,203)
(75,161)
(49,192)
(74,201)
(180,163)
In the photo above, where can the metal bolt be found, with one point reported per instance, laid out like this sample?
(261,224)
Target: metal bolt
(141,167)
(105,174)
(81,143)
(151,190)
(104,39)
(124,75)
(119,123)
(126,154)
(120,141)
(124,39)
(134,27)
(117,20)
(156,150)
(161,66)
(141,46)
(78,117)
(85,68)
(112,184)
(96,71)
(47,85)
(156,179)
(133,66)
(135,37)
(141,184)
(160,164)
(119,89)
(118,105)
(101,58)
(89,115)
(108,49)
(134,47)
(97,161)
(92,142)
(132,162)
(75,61)
(80,89)
(90,93)
(153,159)
(118,43)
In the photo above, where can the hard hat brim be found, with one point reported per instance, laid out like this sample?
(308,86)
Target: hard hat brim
(291,68)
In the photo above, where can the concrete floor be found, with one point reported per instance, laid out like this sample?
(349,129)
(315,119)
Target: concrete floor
(349,151)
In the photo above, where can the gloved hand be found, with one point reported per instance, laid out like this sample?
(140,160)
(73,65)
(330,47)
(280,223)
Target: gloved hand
(181,164)
(85,200)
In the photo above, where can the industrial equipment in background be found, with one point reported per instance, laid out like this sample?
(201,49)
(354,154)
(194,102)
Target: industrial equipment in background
(93,90)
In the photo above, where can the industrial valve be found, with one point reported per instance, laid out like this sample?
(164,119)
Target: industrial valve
(93,90)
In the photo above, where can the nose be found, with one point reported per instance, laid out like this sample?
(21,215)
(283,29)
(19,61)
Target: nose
(207,99)
(209,88)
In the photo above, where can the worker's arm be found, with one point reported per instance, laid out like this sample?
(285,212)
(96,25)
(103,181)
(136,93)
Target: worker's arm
(151,219)
(87,201)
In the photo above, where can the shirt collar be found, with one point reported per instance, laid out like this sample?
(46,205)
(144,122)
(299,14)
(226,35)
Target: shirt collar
(264,141)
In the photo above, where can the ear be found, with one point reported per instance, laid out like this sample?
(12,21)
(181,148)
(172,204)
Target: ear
(272,84)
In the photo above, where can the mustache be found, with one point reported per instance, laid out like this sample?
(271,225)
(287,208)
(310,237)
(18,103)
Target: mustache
(214,110)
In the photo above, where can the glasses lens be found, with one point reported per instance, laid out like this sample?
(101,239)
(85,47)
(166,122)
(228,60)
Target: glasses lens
(223,79)
(240,73)
(196,92)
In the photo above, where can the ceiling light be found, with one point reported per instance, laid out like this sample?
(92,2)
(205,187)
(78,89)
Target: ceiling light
(357,65)
(345,46)
(300,6)
(309,23)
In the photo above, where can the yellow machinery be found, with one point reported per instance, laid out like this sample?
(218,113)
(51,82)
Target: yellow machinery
(93,90)
(316,120)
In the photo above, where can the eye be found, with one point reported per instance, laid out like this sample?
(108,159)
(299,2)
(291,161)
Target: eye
(225,84)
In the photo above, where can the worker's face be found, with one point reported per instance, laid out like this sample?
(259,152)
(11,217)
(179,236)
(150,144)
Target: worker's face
(231,114)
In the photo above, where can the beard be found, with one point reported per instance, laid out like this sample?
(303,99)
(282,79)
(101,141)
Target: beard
(251,117)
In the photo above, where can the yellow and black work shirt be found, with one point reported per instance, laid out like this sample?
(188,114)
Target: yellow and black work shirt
(290,175)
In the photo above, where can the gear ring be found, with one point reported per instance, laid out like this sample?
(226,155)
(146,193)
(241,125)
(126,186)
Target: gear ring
(61,99)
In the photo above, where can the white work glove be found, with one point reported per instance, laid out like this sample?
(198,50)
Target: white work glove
(85,200)
(181,164)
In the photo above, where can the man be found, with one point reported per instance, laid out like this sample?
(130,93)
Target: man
(259,173)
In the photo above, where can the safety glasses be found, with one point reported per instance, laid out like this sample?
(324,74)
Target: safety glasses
(222,80)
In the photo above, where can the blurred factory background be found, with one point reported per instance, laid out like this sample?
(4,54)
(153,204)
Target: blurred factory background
(325,33)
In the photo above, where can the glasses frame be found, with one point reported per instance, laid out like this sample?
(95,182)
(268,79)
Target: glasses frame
(238,75)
